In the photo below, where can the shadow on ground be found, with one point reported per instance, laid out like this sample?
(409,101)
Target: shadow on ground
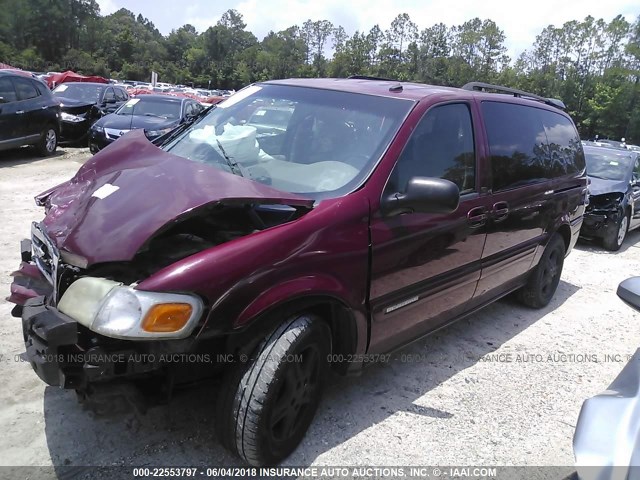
(182,433)
(20,156)
(595,246)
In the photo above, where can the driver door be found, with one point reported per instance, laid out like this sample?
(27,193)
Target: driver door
(425,267)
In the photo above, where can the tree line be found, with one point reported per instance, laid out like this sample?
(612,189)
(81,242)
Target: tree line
(591,64)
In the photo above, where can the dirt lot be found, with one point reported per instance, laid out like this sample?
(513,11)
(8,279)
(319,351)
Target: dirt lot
(450,399)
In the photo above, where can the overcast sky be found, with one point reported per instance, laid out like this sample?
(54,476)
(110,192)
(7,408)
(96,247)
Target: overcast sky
(521,21)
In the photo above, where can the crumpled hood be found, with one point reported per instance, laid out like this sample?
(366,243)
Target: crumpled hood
(126,193)
(600,186)
(74,106)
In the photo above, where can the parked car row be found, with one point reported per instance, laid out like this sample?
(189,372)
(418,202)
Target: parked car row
(77,113)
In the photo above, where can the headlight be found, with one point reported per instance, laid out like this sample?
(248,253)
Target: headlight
(119,311)
(157,133)
(97,128)
(67,117)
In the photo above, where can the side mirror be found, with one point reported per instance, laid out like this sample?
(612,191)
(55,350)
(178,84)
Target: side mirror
(423,195)
(629,291)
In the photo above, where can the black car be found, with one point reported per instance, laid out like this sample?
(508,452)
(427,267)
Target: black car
(29,115)
(614,202)
(157,114)
(83,103)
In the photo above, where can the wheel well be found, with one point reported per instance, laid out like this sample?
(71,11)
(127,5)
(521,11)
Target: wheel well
(336,314)
(565,232)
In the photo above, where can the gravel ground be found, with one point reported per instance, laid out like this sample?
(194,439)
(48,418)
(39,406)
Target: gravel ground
(501,388)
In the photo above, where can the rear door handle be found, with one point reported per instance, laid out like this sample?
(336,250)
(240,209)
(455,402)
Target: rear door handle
(477,217)
(44,108)
(19,112)
(500,211)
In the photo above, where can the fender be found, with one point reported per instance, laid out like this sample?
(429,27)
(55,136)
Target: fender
(322,285)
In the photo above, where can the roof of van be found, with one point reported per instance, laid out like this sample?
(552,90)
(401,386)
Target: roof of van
(409,90)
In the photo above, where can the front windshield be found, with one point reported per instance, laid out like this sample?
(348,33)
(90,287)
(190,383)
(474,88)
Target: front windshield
(321,143)
(168,108)
(608,164)
(77,91)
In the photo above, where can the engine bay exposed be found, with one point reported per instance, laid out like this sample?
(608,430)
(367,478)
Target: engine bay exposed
(194,232)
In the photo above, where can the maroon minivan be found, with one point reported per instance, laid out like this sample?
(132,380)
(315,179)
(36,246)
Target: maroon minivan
(358,215)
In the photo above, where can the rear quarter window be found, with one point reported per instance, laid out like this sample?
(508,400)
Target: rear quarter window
(529,144)
(25,89)
(7,91)
(564,147)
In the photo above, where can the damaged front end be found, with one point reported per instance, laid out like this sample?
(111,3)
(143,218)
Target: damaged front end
(85,323)
(602,215)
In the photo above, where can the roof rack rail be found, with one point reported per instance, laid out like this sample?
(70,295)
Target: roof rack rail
(554,102)
(367,77)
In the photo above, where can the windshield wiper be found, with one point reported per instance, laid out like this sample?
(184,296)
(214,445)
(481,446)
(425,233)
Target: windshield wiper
(178,130)
(232,165)
(153,115)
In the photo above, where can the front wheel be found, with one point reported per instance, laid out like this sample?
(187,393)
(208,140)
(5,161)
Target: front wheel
(48,142)
(614,239)
(544,279)
(266,405)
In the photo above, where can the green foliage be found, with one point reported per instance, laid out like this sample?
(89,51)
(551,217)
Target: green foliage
(592,65)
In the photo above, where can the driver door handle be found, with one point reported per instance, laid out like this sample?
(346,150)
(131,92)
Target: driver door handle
(19,112)
(477,217)
(500,211)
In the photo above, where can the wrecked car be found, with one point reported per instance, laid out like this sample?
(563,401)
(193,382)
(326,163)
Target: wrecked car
(156,114)
(83,103)
(379,212)
(614,195)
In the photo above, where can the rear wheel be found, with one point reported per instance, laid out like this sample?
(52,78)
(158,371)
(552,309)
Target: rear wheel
(543,280)
(613,241)
(267,404)
(48,141)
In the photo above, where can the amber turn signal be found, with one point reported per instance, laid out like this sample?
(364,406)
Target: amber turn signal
(167,317)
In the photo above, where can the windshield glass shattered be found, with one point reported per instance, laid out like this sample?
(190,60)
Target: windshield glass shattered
(321,143)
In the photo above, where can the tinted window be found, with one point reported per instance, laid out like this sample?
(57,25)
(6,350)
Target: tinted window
(636,169)
(109,95)
(565,155)
(42,88)
(441,146)
(517,142)
(121,95)
(25,89)
(7,92)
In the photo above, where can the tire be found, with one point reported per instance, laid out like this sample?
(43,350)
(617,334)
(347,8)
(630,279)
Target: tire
(543,280)
(614,239)
(48,142)
(267,404)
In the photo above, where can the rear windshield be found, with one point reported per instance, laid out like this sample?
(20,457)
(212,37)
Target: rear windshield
(151,107)
(77,91)
(609,164)
(315,142)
